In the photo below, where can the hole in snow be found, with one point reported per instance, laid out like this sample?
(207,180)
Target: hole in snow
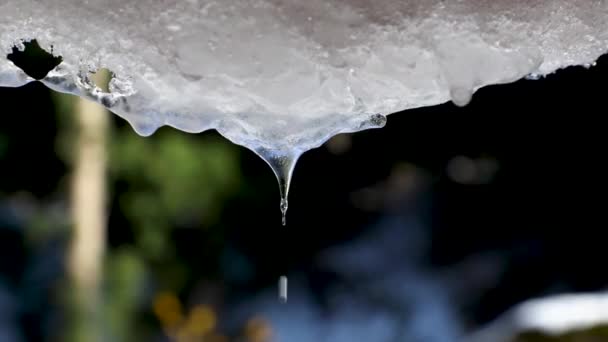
(34,60)
(101,78)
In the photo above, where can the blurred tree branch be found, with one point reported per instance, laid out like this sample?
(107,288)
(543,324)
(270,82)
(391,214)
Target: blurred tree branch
(88,209)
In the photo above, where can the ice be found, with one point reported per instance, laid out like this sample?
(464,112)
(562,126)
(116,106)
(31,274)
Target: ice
(285,75)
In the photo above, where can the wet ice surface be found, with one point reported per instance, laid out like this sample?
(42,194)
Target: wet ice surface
(286,75)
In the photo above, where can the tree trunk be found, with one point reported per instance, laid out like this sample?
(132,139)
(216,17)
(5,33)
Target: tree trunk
(88,210)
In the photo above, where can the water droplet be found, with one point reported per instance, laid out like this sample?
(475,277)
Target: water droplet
(284,207)
(461,96)
(283,289)
(282,164)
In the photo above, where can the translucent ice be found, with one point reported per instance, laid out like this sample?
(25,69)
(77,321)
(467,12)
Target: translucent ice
(285,75)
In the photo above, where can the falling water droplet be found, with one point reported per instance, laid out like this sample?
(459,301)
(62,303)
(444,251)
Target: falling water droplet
(282,164)
(283,289)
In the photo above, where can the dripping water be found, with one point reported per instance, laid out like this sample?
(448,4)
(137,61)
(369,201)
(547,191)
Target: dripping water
(282,164)
(283,289)
(284,207)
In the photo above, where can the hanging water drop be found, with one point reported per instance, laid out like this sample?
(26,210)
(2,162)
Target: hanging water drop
(461,96)
(284,207)
(282,164)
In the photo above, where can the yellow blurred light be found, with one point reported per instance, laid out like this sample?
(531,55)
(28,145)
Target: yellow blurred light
(181,335)
(258,329)
(168,309)
(201,321)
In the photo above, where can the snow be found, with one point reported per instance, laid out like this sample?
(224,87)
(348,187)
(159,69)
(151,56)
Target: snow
(286,75)
(553,315)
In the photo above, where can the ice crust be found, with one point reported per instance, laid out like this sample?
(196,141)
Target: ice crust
(285,75)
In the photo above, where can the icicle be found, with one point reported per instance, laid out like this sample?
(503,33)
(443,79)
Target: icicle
(282,164)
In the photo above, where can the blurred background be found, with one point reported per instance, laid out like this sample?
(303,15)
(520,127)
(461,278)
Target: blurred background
(435,228)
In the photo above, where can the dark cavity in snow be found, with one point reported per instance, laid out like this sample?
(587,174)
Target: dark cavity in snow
(34,60)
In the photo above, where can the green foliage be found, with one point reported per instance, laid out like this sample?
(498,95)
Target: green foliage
(159,184)
(173,180)
(123,298)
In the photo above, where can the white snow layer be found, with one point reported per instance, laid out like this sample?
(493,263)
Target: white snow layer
(553,315)
(285,75)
